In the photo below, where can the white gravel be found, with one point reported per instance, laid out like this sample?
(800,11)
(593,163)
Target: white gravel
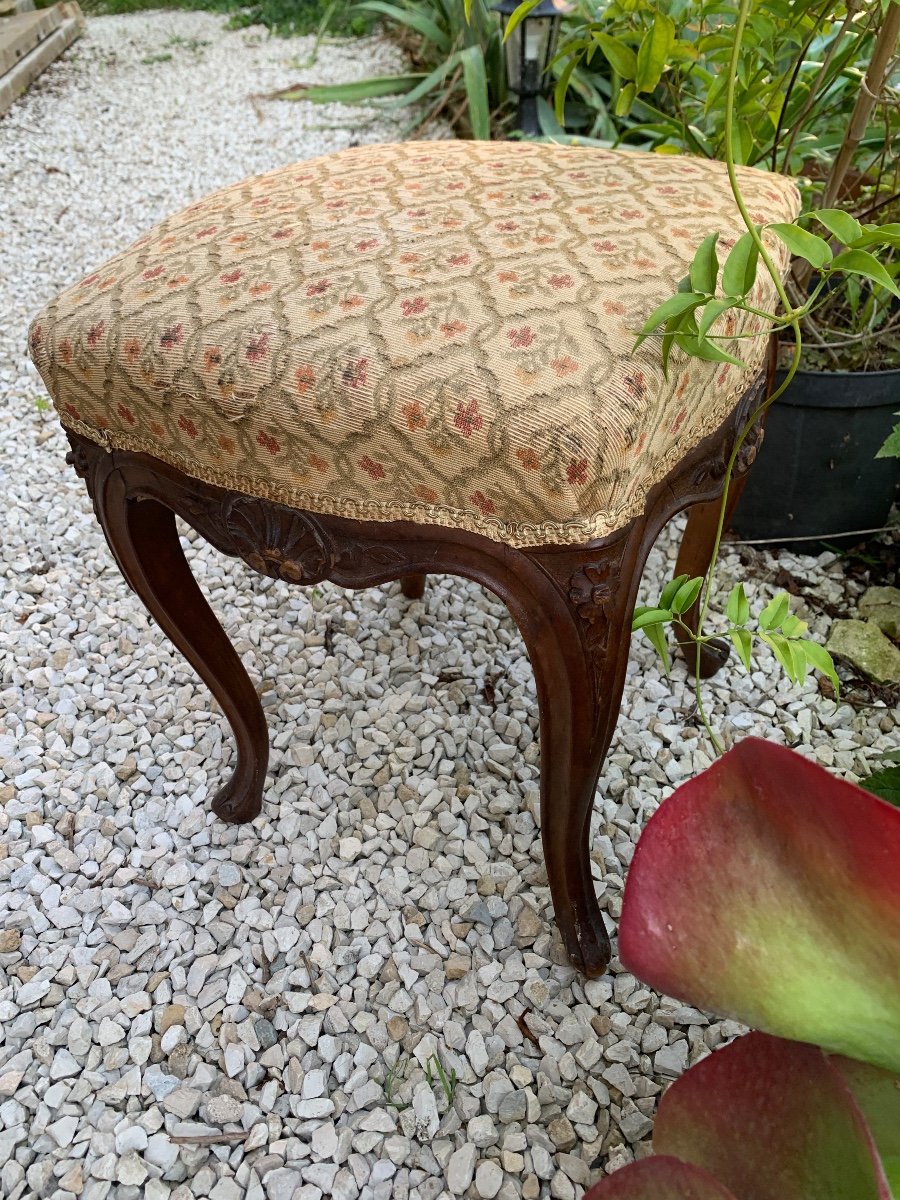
(285,987)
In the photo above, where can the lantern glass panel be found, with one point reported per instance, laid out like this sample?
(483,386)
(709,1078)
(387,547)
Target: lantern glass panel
(513,49)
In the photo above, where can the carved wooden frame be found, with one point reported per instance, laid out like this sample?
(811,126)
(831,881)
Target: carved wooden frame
(573,605)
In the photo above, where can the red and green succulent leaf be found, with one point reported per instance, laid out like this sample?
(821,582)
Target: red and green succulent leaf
(877,1093)
(768,890)
(659,1178)
(771,1119)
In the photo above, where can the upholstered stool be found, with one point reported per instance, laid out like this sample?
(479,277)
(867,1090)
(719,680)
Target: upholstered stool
(413,358)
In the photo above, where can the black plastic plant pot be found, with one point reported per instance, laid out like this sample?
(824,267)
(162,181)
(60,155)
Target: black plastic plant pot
(816,474)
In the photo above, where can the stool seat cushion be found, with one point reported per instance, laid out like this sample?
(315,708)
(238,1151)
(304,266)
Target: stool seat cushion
(437,331)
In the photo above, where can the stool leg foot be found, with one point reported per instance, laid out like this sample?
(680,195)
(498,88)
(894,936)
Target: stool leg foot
(413,586)
(144,540)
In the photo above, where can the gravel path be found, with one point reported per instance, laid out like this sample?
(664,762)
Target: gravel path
(273,995)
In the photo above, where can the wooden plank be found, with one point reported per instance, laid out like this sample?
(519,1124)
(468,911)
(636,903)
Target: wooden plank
(20,34)
(27,69)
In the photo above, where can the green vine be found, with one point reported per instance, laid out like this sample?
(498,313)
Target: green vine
(687,320)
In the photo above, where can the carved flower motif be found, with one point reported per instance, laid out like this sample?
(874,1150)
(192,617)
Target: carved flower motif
(591,589)
(277,541)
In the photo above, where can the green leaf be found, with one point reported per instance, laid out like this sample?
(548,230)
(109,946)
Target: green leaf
(428,84)
(877,238)
(775,611)
(802,244)
(620,57)
(687,594)
(562,87)
(743,643)
(861,262)
(671,589)
(517,16)
(884,783)
(819,658)
(798,659)
(693,346)
(781,648)
(739,272)
(625,100)
(891,447)
(644,616)
(738,607)
(711,313)
(414,18)
(792,626)
(673,307)
(656,635)
(705,267)
(353,93)
(475,79)
(844,227)
(654,52)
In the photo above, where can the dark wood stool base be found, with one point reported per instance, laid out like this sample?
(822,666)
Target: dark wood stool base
(573,605)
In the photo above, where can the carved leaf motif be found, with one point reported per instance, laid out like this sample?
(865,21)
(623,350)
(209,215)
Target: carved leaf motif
(77,459)
(277,541)
(749,450)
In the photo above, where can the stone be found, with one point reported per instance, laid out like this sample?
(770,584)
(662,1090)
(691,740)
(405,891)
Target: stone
(183,1102)
(882,605)
(671,1060)
(32,992)
(173,1014)
(398,1028)
(130,1170)
(282,1183)
(513,1107)
(324,1140)
(161,1151)
(481,1131)
(561,1133)
(229,875)
(223,1110)
(531,1187)
(426,1113)
(160,1082)
(64,1065)
(110,1032)
(634,1124)
(528,926)
(63,1131)
(265,1033)
(866,648)
(461,1169)
(457,965)
(476,1052)
(130,1137)
(488,1179)
(582,1108)
(73,1180)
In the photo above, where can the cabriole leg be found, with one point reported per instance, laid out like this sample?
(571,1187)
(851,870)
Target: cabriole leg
(144,540)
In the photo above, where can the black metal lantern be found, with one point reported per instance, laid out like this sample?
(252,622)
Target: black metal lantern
(529,51)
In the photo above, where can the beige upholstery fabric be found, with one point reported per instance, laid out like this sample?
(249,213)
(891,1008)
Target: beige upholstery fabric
(434,331)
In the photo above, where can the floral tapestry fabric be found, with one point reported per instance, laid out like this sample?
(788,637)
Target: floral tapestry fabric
(437,331)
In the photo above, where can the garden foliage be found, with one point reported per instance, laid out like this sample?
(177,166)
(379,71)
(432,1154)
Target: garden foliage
(768,891)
